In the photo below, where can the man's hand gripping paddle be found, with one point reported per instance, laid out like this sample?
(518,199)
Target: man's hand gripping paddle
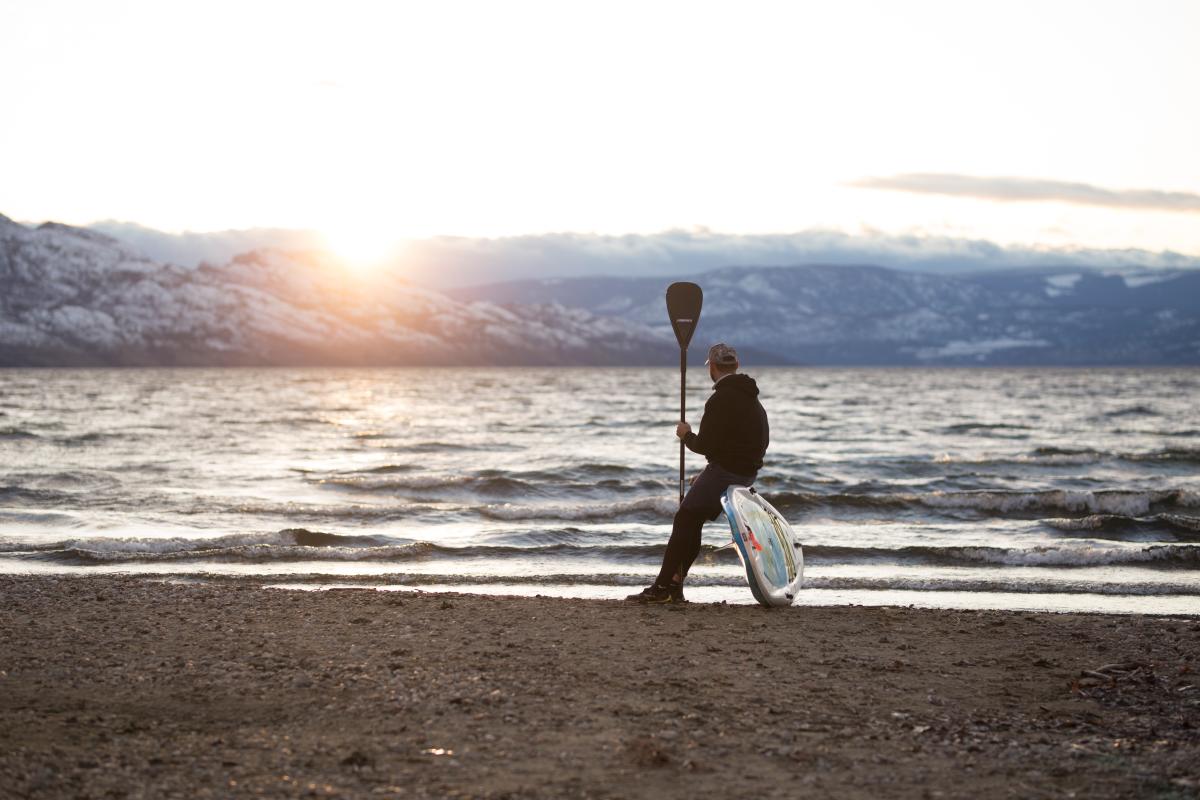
(683,308)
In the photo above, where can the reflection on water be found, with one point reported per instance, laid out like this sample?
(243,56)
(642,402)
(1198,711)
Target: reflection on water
(1071,487)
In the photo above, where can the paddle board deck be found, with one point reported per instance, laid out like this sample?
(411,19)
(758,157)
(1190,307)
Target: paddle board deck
(767,546)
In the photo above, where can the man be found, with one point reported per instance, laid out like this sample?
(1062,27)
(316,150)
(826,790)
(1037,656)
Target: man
(733,437)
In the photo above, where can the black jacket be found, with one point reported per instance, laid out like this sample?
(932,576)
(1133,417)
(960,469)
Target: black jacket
(733,432)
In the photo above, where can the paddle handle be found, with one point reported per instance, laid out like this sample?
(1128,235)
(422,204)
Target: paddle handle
(682,412)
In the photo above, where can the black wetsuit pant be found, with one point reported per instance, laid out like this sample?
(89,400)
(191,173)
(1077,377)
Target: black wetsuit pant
(701,503)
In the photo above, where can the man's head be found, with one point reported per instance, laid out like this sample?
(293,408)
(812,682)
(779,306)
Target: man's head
(722,361)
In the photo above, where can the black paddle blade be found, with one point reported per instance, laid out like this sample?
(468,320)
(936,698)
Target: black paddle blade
(683,308)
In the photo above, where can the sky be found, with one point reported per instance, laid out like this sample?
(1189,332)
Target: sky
(1049,124)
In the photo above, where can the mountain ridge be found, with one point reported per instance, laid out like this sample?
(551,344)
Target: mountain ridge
(869,315)
(70,297)
(76,297)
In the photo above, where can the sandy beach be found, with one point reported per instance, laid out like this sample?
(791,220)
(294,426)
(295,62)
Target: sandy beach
(118,687)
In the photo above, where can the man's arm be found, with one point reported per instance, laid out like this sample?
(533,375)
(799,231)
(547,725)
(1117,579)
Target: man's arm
(712,424)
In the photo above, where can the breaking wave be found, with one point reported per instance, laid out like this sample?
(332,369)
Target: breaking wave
(657,507)
(495,485)
(358,512)
(300,544)
(1111,501)
(1065,456)
(290,544)
(1074,556)
(1128,503)
(1121,522)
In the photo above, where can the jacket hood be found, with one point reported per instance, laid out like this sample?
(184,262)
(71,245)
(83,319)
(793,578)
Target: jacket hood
(739,382)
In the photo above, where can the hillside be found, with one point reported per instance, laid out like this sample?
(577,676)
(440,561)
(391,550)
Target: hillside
(76,297)
(848,315)
(70,296)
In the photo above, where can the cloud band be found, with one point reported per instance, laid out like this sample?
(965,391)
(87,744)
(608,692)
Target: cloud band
(1034,190)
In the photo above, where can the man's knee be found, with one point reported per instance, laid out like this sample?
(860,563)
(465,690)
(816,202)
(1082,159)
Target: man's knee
(689,519)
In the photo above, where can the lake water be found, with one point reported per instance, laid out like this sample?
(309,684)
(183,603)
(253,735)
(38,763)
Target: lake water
(1041,489)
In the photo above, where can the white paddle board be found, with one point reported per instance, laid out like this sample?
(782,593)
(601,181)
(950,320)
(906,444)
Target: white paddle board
(766,545)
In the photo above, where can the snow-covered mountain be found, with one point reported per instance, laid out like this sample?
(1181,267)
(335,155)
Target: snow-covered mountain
(70,296)
(73,296)
(869,315)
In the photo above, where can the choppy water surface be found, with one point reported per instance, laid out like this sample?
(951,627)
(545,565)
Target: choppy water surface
(1058,489)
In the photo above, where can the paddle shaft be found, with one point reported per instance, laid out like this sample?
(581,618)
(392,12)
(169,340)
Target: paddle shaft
(684,301)
(682,413)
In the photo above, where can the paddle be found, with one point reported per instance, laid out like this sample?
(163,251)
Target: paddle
(683,309)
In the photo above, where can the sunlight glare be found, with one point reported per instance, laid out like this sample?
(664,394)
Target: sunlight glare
(363,248)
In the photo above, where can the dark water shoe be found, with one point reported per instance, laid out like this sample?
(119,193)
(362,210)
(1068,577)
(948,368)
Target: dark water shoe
(658,595)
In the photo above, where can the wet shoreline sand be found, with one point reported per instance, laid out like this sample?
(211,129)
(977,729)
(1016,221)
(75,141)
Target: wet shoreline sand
(120,687)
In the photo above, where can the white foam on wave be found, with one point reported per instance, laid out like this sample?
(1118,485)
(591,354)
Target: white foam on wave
(177,544)
(1191,523)
(1046,460)
(259,552)
(338,511)
(581,511)
(1072,457)
(368,483)
(1127,503)
(38,518)
(1081,555)
(1060,459)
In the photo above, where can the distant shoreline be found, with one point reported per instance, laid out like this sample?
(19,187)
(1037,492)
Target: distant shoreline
(76,297)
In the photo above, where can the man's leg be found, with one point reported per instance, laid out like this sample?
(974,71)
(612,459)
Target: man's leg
(682,548)
(701,503)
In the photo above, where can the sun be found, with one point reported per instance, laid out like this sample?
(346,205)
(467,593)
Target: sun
(362,248)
